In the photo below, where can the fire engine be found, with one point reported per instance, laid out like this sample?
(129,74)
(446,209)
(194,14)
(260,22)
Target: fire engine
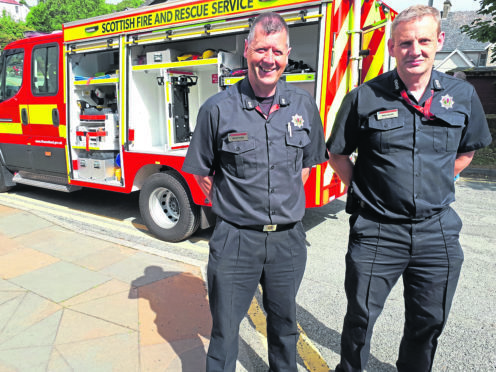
(110,102)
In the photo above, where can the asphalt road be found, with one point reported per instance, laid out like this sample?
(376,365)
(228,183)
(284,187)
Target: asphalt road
(467,344)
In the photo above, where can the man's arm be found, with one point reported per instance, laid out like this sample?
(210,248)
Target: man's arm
(463,160)
(205,183)
(343,166)
(305,173)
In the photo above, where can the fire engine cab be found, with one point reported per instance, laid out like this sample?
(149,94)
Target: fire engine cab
(110,102)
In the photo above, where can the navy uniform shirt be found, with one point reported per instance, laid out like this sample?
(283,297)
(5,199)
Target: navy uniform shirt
(257,162)
(405,163)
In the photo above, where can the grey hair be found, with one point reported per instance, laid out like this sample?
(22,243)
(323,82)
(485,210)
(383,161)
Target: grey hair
(415,12)
(271,23)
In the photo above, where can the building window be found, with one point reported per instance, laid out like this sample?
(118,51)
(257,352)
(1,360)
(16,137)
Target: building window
(482,60)
(17,9)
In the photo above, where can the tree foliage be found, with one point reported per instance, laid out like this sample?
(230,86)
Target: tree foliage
(49,15)
(484,29)
(10,30)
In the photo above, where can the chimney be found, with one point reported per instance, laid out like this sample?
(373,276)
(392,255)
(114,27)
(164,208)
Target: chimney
(446,9)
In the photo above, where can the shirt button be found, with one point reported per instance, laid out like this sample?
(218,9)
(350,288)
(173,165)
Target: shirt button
(272,212)
(272,167)
(237,148)
(417,174)
(270,143)
(271,191)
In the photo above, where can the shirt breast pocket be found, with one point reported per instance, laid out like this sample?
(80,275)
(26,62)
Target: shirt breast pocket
(448,132)
(239,158)
(295,142)
(386,135)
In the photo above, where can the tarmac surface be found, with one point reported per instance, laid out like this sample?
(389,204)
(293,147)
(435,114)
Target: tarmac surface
(93,305)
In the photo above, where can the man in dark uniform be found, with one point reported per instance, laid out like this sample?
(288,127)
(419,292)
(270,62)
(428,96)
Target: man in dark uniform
(252,150)
(414,129)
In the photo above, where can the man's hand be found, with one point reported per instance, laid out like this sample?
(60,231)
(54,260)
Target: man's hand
(305,173)
(205,183)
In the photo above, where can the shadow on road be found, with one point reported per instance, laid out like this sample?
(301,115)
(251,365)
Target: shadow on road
(319,333)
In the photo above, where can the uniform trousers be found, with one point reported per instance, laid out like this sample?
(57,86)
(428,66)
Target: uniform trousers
(239,260)
(429,257)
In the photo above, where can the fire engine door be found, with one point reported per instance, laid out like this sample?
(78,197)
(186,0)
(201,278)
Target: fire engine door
(43,115)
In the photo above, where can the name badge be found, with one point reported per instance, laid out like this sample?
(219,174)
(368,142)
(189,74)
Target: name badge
(236,137)
(388,114)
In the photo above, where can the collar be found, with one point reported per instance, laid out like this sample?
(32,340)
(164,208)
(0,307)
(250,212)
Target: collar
(434,83)
(249,101)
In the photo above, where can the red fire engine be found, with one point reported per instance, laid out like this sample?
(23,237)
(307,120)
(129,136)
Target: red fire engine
(110,102)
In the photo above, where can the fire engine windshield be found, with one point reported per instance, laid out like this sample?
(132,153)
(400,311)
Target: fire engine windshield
(11,65)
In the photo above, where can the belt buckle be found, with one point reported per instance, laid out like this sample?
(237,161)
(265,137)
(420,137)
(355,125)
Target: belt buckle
(268,228)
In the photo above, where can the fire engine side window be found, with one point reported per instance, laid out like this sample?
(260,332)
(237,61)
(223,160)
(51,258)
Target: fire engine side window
(45,70)
(11,74)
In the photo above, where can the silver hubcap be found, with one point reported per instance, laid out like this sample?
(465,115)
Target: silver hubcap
(164,208)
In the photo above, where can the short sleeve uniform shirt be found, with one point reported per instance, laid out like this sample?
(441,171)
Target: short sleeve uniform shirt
(257,161)
(405,163)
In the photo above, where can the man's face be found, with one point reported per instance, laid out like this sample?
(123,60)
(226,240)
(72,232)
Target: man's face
(267,57)
(414,44)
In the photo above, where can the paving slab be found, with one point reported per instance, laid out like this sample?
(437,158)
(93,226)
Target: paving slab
(136,271)
(60,281)
(62,243)
(22,261)
(32,359)
(20,223)
(29,309)
(78,327)
(41,333)
(114,353)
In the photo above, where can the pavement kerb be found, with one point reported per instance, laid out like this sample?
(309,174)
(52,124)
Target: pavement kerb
(142,248)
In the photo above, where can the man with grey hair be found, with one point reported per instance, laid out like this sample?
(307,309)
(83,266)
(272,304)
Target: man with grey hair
(414,128)
(251,153)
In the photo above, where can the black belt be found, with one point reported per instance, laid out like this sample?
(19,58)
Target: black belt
(264,228)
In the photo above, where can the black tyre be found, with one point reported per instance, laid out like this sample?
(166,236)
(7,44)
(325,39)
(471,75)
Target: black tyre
(167,207)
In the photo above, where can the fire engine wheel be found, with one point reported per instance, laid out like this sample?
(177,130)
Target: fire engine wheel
(167,208)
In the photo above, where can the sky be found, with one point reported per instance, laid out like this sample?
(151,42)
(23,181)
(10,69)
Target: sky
(456,5)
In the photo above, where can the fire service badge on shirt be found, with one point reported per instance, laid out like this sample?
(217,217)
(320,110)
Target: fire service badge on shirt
(447,101)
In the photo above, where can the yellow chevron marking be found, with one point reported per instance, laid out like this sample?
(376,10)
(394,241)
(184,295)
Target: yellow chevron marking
(377,62)
(341,43)
(338,98)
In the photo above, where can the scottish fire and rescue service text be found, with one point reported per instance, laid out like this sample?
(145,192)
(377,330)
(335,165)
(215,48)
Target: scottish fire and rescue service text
(177,15)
